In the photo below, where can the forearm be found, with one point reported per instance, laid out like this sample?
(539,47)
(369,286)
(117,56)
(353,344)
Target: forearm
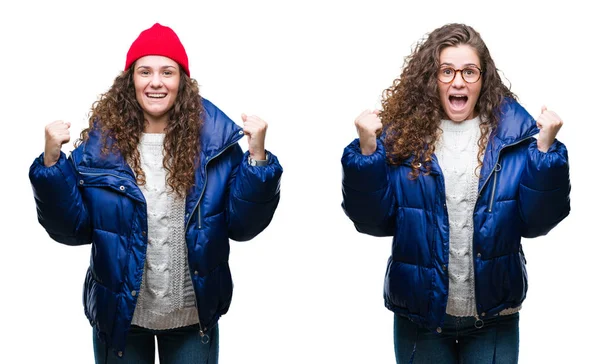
(254,196)
(367,197)
(59,204)
(544,189)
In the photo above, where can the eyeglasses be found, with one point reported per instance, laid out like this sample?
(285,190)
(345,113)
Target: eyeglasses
(470,74)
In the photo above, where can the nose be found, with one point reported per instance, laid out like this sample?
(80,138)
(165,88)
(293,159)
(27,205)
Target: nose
(156,81)
(458,80)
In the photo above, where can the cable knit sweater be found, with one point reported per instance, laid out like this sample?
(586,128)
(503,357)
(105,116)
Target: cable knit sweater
(166,298)
(456,151)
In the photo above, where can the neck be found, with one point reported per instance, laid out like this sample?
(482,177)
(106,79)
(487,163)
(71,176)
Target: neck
(152,125)
(458,126)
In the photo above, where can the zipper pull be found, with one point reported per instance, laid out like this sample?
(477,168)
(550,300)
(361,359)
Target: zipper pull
(204,338)
(478,322)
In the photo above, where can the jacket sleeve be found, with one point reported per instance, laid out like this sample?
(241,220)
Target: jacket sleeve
(253,195)
(60,208)
(367,196)
(544,189)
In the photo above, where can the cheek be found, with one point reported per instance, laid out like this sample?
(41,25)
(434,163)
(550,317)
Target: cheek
(440,88)
(476,91)
(442,93)
(443,87)
(174,94)
(139,89)
(174,88)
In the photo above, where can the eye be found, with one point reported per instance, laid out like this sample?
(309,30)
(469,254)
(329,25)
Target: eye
(144,72)
(168,73)
(472,71)
(447,71)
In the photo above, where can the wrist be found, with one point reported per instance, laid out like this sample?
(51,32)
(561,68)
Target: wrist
(49,162)
(368,145)
(258,155)
(254,162)
(543,145)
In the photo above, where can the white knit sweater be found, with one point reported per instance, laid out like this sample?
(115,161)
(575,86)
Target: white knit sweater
(456,151)
(166,298)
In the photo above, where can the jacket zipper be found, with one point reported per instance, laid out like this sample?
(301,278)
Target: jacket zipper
(498,158)
(204,185)
(497,169)
(478,321)
(204,337)
(102,174)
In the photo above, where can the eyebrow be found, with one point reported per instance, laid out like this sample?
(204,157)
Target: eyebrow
(466,65)
(161,67)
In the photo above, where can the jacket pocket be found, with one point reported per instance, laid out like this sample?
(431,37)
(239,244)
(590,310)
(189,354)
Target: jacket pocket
(100,305)
(515,280)
(109,256)
(409,287)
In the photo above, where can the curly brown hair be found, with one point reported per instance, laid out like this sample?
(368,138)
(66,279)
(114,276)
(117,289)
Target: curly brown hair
(120,117)
(412,109)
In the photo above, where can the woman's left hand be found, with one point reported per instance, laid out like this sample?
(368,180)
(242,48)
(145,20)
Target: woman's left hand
(549,123)
(256,129)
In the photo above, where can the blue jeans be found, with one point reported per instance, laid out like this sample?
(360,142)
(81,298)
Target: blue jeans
(497,342)
(183,345)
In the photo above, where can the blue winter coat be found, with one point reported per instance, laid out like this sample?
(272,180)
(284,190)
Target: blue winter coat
(522,193)
(94,198)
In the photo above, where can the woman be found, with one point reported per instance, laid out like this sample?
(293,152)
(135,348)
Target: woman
(157,184)
(457,177)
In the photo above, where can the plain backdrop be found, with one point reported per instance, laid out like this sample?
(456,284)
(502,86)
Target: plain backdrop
(309,289)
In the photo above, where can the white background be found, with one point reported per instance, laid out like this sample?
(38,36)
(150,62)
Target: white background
(309,289)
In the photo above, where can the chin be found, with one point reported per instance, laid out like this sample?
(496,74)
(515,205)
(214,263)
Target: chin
(157,113)
(458,119)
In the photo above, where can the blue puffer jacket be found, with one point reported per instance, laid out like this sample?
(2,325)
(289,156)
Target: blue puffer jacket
(94,198)
(522,193)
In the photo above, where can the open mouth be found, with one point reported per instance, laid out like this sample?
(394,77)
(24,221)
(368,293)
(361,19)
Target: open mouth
(458,101)
(156,95)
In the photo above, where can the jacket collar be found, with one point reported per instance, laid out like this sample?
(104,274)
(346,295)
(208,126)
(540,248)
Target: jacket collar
(515,126)
(218,132)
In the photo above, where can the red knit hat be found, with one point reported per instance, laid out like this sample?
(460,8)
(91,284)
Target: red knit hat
(158,41)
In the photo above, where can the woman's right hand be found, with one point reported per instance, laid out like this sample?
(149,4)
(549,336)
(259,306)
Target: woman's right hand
(57,134)
(368,124)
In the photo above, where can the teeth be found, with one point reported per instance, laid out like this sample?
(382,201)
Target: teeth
(461,96)
(157,96)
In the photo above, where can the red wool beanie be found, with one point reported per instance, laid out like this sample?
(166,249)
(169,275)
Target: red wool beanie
(158,41)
